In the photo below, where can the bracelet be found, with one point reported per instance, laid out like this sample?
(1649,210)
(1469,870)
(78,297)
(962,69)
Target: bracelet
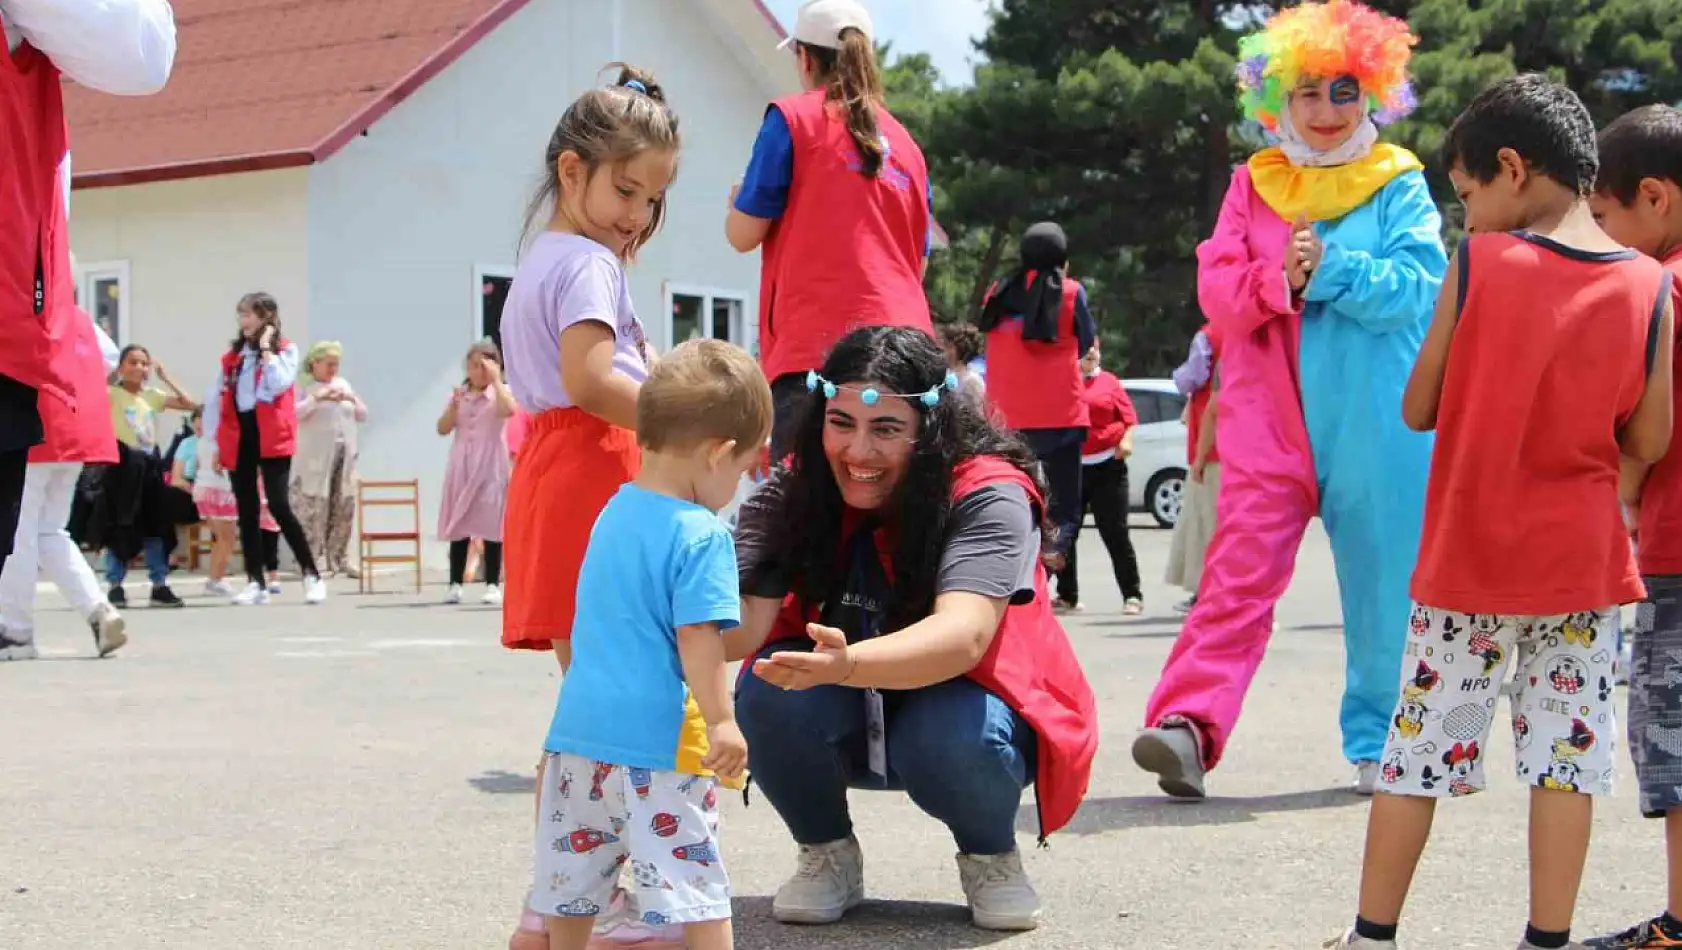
(851,669)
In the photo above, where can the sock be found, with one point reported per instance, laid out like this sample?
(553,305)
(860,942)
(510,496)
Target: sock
(1546,939)
(1371,931)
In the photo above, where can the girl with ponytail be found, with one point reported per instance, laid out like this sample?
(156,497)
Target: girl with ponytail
(838,196)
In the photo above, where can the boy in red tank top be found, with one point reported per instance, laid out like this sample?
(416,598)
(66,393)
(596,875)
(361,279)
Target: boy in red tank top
(1550,353)
(1638,200)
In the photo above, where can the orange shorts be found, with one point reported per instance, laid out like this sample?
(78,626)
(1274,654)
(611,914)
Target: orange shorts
(570,465)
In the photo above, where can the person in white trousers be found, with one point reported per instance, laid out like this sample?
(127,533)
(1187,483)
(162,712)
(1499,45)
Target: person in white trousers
(42,546)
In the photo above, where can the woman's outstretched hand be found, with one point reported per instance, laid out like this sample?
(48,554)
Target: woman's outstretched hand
(829,662)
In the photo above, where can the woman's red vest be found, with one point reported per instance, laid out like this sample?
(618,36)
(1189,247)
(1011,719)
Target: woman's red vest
(36,290)
(1036,385)
(277,422)
(1030,665)
(848,250)
(84,433)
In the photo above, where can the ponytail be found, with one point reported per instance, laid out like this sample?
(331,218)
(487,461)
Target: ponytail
(855,81)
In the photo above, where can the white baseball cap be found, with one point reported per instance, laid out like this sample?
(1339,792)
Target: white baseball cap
(820,23)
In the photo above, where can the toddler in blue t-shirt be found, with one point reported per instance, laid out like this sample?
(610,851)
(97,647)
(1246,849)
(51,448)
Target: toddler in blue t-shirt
(626,776)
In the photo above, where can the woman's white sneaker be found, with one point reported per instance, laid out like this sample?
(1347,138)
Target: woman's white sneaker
(107,626)
(315,590)
(218,588)
(453,595)
(493,595)
(997,888)
(254,595)
(828,882)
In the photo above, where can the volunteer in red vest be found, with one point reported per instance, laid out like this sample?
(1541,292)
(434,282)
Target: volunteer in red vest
(1103,485)
(83,436)
(896,607)
(252,411)
(120,46)
(1038,327)
(838,197)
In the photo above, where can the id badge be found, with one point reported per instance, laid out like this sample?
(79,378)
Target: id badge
(876,733)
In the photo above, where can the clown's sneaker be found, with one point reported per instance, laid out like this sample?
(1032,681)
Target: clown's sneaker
(1171,751)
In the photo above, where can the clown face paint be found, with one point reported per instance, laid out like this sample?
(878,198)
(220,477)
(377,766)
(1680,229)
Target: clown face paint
(1326,112)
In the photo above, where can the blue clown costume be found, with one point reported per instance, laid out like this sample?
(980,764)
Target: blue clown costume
(1311,391)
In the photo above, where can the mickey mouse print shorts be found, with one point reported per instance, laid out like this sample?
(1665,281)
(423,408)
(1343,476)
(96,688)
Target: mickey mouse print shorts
(593,817)
(1452,671)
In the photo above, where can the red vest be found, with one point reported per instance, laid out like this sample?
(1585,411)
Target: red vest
(277,422)
(848,250)
(1030,665)
(35,285)
(1038,385)
(1200,401)
(84,433)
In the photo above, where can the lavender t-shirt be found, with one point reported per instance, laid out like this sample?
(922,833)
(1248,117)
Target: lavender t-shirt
(565,279)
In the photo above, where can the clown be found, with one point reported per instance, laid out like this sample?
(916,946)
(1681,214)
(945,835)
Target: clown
(1321,276)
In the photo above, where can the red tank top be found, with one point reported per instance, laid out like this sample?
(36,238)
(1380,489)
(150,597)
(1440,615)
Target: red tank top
(1549,359)
(1660,541)
(35,286)
(1038,385)
(848,250)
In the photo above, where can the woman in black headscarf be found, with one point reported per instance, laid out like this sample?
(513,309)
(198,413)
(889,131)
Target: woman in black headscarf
(1038,326)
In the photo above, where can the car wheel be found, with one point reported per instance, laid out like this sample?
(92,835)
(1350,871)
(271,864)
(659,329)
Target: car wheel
(1163,496)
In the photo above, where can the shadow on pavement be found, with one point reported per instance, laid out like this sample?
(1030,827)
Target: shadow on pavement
(874,924)
(1100,815)
(499,782)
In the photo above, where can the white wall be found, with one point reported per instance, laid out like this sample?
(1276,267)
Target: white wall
(399,219)
(194,248)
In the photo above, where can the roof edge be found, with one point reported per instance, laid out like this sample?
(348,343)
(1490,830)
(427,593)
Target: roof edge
(411,83)
(268,161)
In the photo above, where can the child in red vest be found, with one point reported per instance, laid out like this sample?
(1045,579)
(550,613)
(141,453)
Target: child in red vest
(1550,352)
(1638,200)
(1103,484)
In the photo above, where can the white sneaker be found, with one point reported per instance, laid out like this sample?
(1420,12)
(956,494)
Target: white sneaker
(493,594)
(828,882)
(1351,941)
(218,588)
(999,895)
(17,651)
(1366,777)
(254,595)
(107,626)
(315,590)
(453,595)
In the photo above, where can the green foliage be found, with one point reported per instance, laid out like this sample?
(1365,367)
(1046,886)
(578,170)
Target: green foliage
(1118,121)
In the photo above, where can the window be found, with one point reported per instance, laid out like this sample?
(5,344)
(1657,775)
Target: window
(695,312)
(103,293)
(490,294)
(1157,406)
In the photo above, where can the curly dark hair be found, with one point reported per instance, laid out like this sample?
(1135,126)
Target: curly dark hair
(899,360)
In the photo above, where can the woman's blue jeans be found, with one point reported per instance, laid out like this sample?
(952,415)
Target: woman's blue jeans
(962,755)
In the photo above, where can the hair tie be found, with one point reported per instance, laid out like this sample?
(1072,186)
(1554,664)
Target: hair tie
(870,395)
(636,84)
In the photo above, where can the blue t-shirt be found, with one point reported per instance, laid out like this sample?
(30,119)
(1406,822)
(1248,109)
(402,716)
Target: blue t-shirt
(770,174)
(655,563)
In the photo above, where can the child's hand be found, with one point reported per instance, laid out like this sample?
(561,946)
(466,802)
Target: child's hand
(1307,244)
(727,750)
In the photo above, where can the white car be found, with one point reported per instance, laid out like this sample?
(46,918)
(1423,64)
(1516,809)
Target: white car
(1156,472)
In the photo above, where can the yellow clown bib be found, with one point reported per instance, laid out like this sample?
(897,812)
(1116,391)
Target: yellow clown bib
(1326,194)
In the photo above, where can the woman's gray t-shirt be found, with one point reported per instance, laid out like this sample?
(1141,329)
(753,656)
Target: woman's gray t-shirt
(992,544)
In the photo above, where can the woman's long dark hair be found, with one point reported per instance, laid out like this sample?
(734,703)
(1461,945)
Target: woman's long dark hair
(898,360)
(264,308)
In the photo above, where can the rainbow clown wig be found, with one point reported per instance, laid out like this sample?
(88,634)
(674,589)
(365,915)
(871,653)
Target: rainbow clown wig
(1328,40)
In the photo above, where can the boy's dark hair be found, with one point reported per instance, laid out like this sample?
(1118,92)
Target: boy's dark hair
(609,127)
(704,389)
(966,340)
(1541,120)
(1641,143)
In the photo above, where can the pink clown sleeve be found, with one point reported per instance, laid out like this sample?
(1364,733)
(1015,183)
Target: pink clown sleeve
(1237,291)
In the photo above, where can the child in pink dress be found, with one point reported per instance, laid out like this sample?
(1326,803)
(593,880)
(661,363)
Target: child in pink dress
(476,481)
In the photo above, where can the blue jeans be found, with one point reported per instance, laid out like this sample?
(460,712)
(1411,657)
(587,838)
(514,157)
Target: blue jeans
(157,566)
(962,755)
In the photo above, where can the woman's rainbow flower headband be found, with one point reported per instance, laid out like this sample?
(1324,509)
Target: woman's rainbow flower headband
(1327,40)
(870,395)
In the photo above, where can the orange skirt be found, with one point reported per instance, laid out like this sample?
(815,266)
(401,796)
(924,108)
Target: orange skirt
(570,465)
